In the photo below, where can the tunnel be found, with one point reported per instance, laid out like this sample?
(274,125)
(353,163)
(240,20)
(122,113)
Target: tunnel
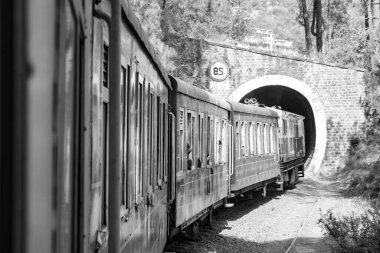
(292,101)
(295,96)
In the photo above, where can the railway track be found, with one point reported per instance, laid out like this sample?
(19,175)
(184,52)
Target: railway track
(272,224)
(305,221)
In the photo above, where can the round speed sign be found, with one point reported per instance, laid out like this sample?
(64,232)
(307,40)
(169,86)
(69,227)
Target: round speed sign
(218,71)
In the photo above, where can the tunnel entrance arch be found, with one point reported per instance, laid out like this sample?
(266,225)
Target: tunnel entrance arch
(295,96)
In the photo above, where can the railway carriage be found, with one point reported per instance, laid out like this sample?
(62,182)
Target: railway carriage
(203,133)
(145,137)
(46,66)
(182,151)
(291,146)
(256,153)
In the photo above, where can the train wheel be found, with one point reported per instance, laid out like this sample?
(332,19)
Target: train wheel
(210,218)
(191,232)
(296,174)
(292,179)
(265,190)
(195,231)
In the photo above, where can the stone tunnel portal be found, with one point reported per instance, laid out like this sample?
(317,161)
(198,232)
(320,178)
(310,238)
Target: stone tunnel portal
(295,96)
(292,101)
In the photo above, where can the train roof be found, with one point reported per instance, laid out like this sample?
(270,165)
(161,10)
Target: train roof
(144,40)
(287,114)
(197,93)
(265,111)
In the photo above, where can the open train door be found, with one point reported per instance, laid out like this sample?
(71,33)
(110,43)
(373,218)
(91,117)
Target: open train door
(171,170)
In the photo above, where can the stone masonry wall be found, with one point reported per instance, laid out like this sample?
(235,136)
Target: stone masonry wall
(340,89)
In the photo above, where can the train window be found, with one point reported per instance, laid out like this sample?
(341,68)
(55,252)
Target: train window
(227,137)
(258,139)
(139,132)
(127,137)
(105,165)
(165,141)
(200,140)
(284,127)
(246,139)
(158,146)
(154,158)
(105,136)
(124,100)
(265,138)
(237,139)
(291,128)
(210,123)
(181,127)
(271,139)
(161,146)
(262,139)
(269,129)
(105,65)
(252,138)
(274,147)
(218,141)
(276,138)
(190,140)
(224,142)
(150,137)
(243,144)
(293,135)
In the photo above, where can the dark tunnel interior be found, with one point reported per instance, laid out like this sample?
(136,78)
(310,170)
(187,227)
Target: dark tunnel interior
(292,101)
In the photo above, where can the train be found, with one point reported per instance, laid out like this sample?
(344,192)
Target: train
(103,151)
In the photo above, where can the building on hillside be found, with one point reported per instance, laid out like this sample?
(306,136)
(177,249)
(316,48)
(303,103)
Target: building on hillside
(262,40)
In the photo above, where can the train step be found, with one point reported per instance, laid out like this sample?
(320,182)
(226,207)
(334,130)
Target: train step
(301,173)
(279,186)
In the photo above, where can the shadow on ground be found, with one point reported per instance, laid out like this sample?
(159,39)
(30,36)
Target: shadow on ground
(221,244)
(307,191)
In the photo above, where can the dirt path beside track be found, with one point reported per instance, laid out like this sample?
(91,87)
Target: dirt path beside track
(284,221)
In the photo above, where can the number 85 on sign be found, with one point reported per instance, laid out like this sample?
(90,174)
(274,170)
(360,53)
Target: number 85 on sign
(218,71)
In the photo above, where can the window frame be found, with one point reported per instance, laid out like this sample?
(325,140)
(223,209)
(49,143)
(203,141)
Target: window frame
(209,140)
(237,139)
(105,140)
(159,141)
(181,136)
(201,139)
(259,139)
(217,138)
(243,139)
(252,147)
(224,141)
(190,138)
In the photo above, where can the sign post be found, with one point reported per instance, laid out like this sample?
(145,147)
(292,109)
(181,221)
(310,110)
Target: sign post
(218,71)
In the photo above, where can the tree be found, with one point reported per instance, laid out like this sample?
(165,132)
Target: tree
(316,27)
(337,17)
(375,32)
(305,21)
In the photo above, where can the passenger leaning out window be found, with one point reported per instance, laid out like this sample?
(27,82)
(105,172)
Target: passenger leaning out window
(189,156)
(208,161)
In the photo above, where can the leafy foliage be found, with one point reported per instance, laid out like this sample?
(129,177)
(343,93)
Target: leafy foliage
(353,233)
(362,168)
(348,46)
(174,26)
